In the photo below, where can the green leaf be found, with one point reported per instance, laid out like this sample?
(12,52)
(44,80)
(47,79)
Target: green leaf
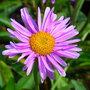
(85,32)
(59,78)
(78,85)
(81,17)
(10,85)
(4,33)
(1,82)
(79,6)
(80,25)
(85,64)
(7,11)
(18,68)
(61,14)
(5,72)
(85,53)
(6,21)
(4,37)
(62,83)
(26,82)
(1,56)
(5,4)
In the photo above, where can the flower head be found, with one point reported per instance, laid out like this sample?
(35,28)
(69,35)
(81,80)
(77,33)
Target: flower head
(46,41)
(53,1)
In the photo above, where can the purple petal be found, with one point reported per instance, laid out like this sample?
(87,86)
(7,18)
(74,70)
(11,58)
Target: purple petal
(11,35)
(63,47)
(43,58)
(21,38)
(60,26)
(14,51)
(53,1)
(47,20)
(67,42)
(50,74)
(22,45)
(28,64)
(39,19)
(47,11)
(75,49)
(25,20)
(63,30)
(29,21)
(67,36)
(42,69)
(13,55)
(44,1)
(59,20)
(56,65)
(50,25)
(32,54)
(20,29)
(30,67)
(73,0)
(68,54)
(22,56)
(8,46)
(59,60)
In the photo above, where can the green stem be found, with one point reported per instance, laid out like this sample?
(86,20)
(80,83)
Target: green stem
(74,13)
(35,72)
(69,9)
(34,4)
(55,85)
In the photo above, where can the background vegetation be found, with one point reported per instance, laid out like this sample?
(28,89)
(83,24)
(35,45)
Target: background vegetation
(78,71)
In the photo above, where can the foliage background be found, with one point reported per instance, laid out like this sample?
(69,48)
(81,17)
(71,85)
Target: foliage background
(78,71)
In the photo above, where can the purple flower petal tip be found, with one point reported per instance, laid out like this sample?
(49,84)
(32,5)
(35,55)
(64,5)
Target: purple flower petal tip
(52,1)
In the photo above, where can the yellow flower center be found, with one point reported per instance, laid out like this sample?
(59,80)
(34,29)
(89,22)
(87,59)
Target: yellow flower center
(42,43)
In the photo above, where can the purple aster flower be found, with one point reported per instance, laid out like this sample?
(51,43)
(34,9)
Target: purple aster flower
(53,1)
(46,41)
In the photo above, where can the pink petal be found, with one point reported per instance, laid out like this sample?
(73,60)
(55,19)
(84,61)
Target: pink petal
(23,55)
(59,60)
(25,20)
(20,29)
(63,47)
(43,58)
(53,1)
(47,20)
(32,54)
(67,42)
(56,65)
(14,51)
(68,54)
(44,1)
(30,67)
(42,69)
(67,36)
(75,49)
(60,26)
(39,19)
(21,38)
(50,74)
(47,10)
(30,23)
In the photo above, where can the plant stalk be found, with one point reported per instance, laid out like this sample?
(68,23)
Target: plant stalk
(35,73)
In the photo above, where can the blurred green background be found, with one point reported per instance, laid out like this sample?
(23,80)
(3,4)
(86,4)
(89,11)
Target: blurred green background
(78,71)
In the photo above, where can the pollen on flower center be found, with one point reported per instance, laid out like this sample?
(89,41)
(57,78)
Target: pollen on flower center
(42,43)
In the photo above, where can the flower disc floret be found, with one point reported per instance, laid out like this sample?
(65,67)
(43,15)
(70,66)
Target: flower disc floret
(42,43)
